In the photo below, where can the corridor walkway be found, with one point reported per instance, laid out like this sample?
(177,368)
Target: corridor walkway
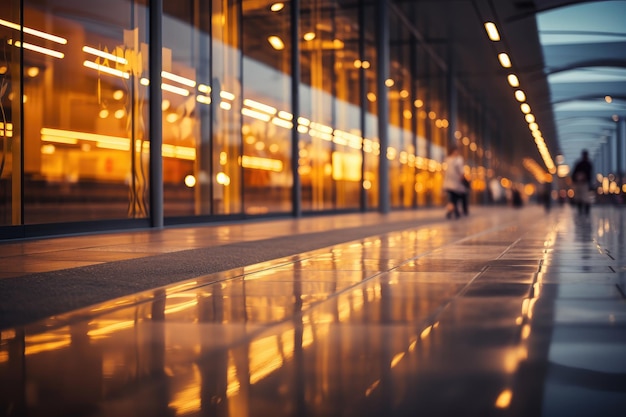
(509,312)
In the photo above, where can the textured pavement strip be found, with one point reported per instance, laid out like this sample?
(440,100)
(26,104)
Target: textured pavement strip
(34,297)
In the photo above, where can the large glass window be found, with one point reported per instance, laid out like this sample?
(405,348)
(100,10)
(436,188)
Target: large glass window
(371,142)
(201,106)
(347,157)
(84,136)
(267,113)
(10,152)
(187,108)
(401,150)
(227,145)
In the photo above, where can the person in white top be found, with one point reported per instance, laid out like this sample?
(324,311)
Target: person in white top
(453,181)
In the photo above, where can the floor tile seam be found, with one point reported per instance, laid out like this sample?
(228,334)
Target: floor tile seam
(466,288)
(430,318)
(596,249)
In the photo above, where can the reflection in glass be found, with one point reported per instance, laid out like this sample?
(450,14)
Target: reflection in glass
(10,136)
(227,119)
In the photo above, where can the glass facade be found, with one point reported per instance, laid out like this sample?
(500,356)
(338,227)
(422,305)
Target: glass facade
(74,119)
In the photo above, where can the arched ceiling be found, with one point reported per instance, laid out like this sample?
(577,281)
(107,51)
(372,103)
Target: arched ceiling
(569,56)
(584,52)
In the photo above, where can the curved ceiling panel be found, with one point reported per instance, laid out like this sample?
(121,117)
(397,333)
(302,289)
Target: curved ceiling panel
(584,52)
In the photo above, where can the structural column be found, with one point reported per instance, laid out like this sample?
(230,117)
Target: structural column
(296,194)
(452,98)
(621,144)
(156,129)
(382,64)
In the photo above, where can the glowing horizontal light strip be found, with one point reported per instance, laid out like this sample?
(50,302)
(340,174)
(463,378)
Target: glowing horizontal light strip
(116,147)
(285,115)
(111,142)
(107,70)
(354,141)
(322,128)
(226,106)
(34,32)
(203,88)
(105,55)
(256,115)
(282,123)
(59,133)
(203,99)
(175,90)
(35,48)
(178,79)
(266,164)
(59,139)
(226,95)
(259,106)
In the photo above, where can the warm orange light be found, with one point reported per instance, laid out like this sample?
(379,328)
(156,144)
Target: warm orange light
(513,80)
(492,31)
(276,42)
(504,59)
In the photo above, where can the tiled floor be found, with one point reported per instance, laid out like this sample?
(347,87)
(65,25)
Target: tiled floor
(506,313)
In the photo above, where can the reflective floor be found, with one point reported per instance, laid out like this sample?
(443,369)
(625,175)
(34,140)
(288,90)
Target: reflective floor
(510,312)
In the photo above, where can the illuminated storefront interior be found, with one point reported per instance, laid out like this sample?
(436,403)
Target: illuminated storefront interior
(74,120)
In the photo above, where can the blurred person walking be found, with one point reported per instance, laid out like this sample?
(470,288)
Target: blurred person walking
(453,183)
(581,177)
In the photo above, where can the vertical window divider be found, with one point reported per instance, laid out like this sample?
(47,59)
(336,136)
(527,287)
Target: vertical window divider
(296,194)
(156,115)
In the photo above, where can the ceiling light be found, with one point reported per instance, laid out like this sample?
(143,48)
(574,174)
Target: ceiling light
(276,43)
(32,72)
(277,7)
(105,55)
(525,108)
(492,31)
(504,59)
(309,36)
(513,81)
(520,96)
(34,32)
(35,48)
(530,118)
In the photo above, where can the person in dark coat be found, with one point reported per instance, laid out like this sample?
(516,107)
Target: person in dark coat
(581,177)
